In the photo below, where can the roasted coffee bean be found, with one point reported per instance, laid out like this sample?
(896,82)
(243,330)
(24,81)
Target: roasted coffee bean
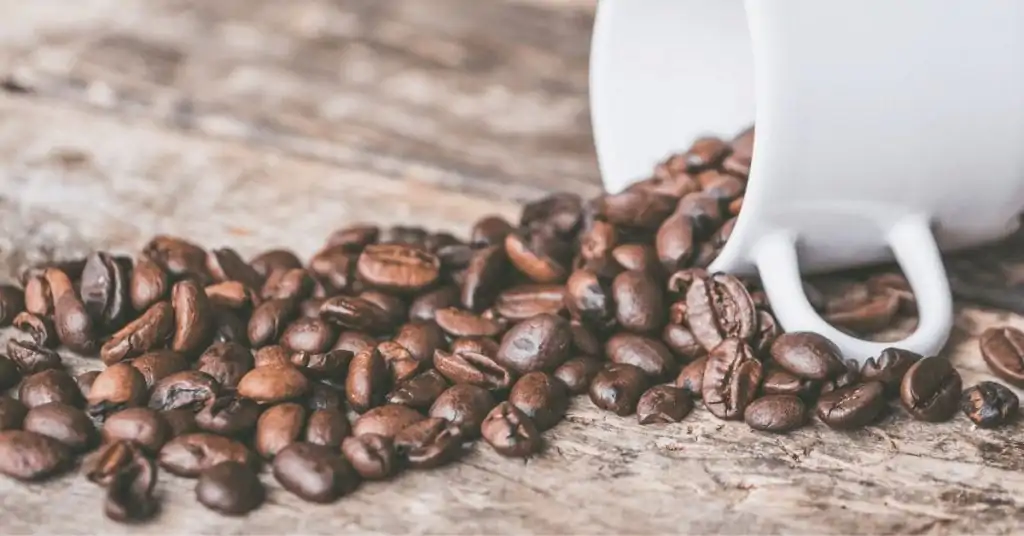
(230,295)
(589,299)
(228,415)
(426,305)
(680,281)
(293,284)
(454,257)
(327,427)
(130,492)
(767,331)
(117,387)
(85,381)
(147,332)
(474,369)
(394,308)
(639,305)
(324,396)
(143,426)
(71,320)
(272,384)
(105,289)
(278,427)
(539,254)
(987,404)
(12,413)
(230,488)
(28,456)
(576,373)
(636,208)
(429,443)
(691,377)
(229,326)
(541,397)
(269,320)
(776,413)
(510,432)
(480,345)
(663,404)
(524,301)
(38,298)
(704,211)
(719,307)
(489,230)
(420,339)
(889,368)
(54,385)
(226,362)
(310,308)
(149,284)
(420,391)
(855,406)
(705,152)
(356,313)
(738,162)
(412,235)
(598,240)
(10,373)
(355,236)
(387,420)
(559,211)
(179,257)
(807,355)
(371,455)
(67,424)
(638,258)
(731,378)
(849,376)
(874,315)
(192,318)
(780,382)
(332,365)
(897,285)
(309,335)
(355,342)
(465,406)
(187,389)
(225,264)
(274,260)
(103,465)
(542,342)
(40,328)
(461,323)
(190,454)
(1003,350)
(332,267)
(180,421)
(272,356)
(368,381)
(159,364)
(314,473)
(649,354)
(487,271)
(399,361)
(398,267)
(12,303)
(930,390)
(31,357)
(682,343)
(618,387)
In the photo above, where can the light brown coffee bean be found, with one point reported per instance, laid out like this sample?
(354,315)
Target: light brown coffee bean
(387,420)
(179,257)
(143,426)
(278,427)
(663,404)
(149,284)
(273,355)
(28,456)
(31,358)
(158,364)
(368,381)
(398,267)
(190,454)
(192,316)
(38,298)
(474,369)
(269,385)
(117,387)
(691,377)
(147,332)
(327,427)
(648,353)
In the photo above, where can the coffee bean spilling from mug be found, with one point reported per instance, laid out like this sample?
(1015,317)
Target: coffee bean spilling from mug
(396,349)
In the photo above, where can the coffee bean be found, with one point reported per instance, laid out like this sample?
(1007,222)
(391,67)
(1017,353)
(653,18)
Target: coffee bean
(776,413)
(704,211)
(85,381)
(524,301)
(480,345)
(426,305)
(130,492)
(429,443)
(38,298)
(278,427)
(738,163)
(117,387)
(144,426)
(465,406)
(542,342)
(149,284)
(159,364)
(333,268)
(67,424)
(674,241)
(12,303)
(28,456)
(589,298)
(230,488)
(190,454)
(1003,350)
(849,376)
(474,369)
(643,209)
(269,320)
(680,281)
(179,257)
(102,466)
(10,374)
(561,212)
(510,432)
(192,315)
(39,328)
(731,378)
(324,396)
(387,420)
(618,387)
(368,381)
(987,404)
(147,332)
(355,313)
(224,264)
(314,473)
(681,342)
(461,323)
(778,381)
(411,235)
(807,355)
(187,389)
(691,377)
(12,413)
(309,335)
(541,397)
(489,230)
(53,385)
(397,267)
(332,365)
(649,354)
(853,407)
(663,404)
(538,254)
(272,356)
(274,260)
(32,358)
(930,390)
(371,455)
(420,391)
(105,289)
(228,415)
(719,307)
(310,308)
(293,284)
(576,373)
(71,320)
(889,368)
(328,427)
(355,342)
(639,304)
(180,421)
(399,361)
(226,362)
(356,236)
(420,339)
(230,295)
(269,385)
(638,258)
(229,326)
(487,271)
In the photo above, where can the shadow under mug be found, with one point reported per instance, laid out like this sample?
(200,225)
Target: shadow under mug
(884,130)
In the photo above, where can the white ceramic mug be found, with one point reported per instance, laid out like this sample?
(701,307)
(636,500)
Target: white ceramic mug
(885,128)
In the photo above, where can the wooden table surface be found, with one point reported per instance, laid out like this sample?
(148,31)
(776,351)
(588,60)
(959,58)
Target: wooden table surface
(260,123)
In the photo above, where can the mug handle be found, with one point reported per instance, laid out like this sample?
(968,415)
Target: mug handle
(914,247)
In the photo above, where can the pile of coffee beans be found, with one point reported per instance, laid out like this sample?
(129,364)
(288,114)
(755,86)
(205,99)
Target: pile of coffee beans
(393,350)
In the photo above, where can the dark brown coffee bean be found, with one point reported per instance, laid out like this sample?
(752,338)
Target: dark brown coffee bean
(179,257)
(117,387)
(542,342)
(395,310)
(731,378)
(691,377)
(355,313)
(930,390)
(679,282)
(462,323)
(368,381)
(130,492)
(849,376)
(778,381)
(143,426)
(426,305)
(180,421)
(638,258)
(67,424)
(807,355)
(355,236)
(159,364)
(71,320)
(52,385)
(332,365)
(524,301)
(703,210)
(410,235)
(465,406)
(649,354)
(719,307)
(274,260)
(272,384)
(589,298)
(874,315)
(225,264)
(102,466)
(278,427)
(420,391)
(387,420)
(187,389)
(681,342)
(487,271)
(38,298)
(12,413)
(355,342)
(776,413)
(897,285)
(105,289)
(429,443)
(324,396)
(230,488)
(663,404)
(230,326)
(12,303)
(987,404)
(293,284)
(420,339)
(889,368)
(192,315)
(489,230)
(618,387)
(541,397)
(328,427)
(310,308)
(397,267)
(28,456)
(40,328)
(72,267)
(1003,350)
(639,305)
(636,208)
(333,268)
(272,356)
(10,373)
(309,335)
(539,255)
(767,331)
(269,320)
(85,381)
(577,373)
(559,211)
(480,345)
(510,432)
(738,163)
(190,454)
(226,362)
(598,240)
(228,415)
(231,295)
(314,473)
(855,406)
(32,358)
(149,284)
(474,369)
(148,332)
(371,455)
